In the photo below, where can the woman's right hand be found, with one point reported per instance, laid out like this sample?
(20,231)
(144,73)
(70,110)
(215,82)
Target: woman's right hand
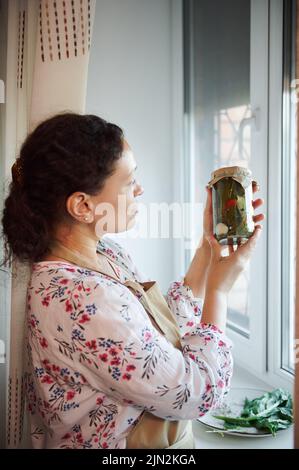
(224,270)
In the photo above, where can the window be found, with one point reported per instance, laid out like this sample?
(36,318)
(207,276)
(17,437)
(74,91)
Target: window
(238,111)
(289,172)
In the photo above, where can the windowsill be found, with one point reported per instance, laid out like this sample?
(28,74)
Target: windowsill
(205,440)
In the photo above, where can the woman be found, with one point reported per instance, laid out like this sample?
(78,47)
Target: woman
(97,360)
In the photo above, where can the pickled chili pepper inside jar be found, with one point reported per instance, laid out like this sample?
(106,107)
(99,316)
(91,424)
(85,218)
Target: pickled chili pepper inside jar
(232,204)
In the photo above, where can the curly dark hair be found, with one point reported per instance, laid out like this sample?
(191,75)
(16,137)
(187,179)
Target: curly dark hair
(66,153)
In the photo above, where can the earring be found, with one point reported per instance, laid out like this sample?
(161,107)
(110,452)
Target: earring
(86,218)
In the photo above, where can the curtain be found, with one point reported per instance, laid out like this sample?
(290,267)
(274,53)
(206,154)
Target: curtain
(296,395)
(47,64)
(297,251)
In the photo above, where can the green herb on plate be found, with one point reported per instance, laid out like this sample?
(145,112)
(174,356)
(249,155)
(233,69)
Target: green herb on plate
(270,412)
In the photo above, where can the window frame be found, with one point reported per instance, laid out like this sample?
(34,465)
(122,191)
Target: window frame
(266,349)
(289,130)
(277,183)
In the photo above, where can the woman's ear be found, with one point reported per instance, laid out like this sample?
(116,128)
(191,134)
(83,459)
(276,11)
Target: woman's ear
(80,206)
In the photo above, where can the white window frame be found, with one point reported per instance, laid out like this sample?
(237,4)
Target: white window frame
(250,353)
(275,371)
(261,353)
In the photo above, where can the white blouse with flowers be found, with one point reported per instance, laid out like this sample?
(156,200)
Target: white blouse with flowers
(96,361)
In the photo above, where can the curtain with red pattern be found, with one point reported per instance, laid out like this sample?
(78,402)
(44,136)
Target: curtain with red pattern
(48,50)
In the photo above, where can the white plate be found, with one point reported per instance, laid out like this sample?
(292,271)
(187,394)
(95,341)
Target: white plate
(234,405)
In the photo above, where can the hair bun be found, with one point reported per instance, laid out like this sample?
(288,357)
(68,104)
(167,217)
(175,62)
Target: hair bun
(16,171)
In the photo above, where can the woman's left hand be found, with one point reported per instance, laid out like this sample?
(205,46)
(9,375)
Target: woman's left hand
(208,211)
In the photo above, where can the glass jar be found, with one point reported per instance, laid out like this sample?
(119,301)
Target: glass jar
(232,205)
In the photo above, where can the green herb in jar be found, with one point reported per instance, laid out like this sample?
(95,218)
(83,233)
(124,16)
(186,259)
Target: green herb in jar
(232,204)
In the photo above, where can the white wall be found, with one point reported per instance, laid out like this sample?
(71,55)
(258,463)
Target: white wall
(129,83)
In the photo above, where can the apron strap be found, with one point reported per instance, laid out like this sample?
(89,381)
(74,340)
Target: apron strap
(115,261)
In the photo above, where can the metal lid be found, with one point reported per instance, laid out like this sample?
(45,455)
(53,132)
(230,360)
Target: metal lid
(241,174)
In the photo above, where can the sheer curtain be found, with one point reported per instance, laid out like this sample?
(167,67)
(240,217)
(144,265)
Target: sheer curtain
(47,64)
(297,259)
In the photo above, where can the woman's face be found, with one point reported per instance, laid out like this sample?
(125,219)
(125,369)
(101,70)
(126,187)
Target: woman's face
(115,207)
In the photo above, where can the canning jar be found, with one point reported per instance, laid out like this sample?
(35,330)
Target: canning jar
(232,204)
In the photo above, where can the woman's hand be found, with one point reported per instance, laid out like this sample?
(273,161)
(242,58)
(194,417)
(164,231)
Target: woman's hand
(196,276)
(224,270)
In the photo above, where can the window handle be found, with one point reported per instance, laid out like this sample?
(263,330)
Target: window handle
(253,120)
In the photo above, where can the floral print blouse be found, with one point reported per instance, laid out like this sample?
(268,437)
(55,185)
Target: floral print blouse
(96,361)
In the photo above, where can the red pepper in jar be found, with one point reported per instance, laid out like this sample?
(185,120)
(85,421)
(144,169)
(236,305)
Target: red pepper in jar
(230,203)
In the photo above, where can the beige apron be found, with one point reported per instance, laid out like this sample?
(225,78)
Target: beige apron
(151,432)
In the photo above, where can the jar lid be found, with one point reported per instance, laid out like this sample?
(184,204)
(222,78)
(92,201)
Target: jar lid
(241,174)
